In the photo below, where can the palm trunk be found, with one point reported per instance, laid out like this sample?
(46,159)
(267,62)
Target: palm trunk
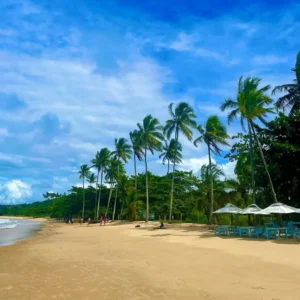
(211,187)
(252,162)
(108,203)
(83,198)
(147,192)
(99,196)
(115,204)
(173,175)
(95,211)
(264,162)
(168,166)
(135,178)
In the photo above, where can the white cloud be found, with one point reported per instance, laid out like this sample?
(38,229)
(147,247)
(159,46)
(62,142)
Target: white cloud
(14,191)
(4,132)
(264,60)
(187,42)
(228,169)
(195,164)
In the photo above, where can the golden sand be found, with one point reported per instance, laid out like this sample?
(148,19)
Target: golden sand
(124,262)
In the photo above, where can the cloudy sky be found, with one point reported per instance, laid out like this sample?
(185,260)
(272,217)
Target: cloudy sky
(76,74)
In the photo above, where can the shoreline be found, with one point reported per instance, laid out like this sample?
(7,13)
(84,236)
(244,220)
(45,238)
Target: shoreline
(119,261)
(24,229)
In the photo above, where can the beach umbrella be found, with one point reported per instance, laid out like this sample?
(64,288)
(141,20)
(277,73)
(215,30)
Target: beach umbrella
(277,208)
(228,209)
(250,210)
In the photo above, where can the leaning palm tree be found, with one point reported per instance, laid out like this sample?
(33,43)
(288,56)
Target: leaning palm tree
(151,138)
(123,153)
(251,104)
(83,173)
(137,152)
(292,98)
(171,152)
(182,120)
(101,161)
(213,134)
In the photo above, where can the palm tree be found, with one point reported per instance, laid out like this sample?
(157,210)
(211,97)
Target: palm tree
(114,168)
(182,120)
(171,152)
(83,173)
(151,138)
(250,105)
(207,174)
(91,178)
(215,133)
(122,152)
(137,152)
(292,98)
(101,161)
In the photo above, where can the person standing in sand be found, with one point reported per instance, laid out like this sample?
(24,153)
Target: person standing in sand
(81,221)
(89,221)
(104,220)
(100,220)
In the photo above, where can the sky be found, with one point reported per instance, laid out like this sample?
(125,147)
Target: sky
(75,75)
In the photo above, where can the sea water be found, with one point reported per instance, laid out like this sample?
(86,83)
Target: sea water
(12,230)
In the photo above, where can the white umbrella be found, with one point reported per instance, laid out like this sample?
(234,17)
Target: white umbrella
(228,209)
(250,210)
(277,208)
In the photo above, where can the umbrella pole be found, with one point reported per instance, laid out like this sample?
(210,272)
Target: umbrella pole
(280,220)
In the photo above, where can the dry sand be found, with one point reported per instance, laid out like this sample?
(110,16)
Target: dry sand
(123,262)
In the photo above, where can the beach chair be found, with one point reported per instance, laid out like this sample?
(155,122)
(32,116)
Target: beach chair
(260,232)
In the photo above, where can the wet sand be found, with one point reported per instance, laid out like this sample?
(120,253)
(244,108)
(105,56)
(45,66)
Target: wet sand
(123,262)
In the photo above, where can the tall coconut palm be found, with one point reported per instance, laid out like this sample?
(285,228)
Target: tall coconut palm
(292,98)
(83,173)
(137,152)
(91,178)
(101,161)
(213,134)
(123,153)
(112,172)
(171,152)
(182,120)
(251,104)
(151,138)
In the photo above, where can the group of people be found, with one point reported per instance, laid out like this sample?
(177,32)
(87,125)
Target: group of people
(102,221)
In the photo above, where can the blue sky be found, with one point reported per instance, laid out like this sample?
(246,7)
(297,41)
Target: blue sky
(74,76)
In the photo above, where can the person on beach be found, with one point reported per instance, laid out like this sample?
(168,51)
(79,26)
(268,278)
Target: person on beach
(100,220)
(104,220)
(81,221)
(89,221)
(162,226)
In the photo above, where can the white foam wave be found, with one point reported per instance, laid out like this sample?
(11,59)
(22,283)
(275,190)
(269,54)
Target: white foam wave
(8,223)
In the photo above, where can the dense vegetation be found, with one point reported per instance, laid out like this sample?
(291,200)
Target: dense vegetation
(267,156)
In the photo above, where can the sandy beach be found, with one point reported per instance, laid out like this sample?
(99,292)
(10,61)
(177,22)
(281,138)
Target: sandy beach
(123,262)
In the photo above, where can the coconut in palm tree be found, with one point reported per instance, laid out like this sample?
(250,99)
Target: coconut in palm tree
(151,138)
(101,161)
(123,153)
(171,152)
(213,134)
(138,153)
(251,104)
(83,173)
(292,97)
(182,120)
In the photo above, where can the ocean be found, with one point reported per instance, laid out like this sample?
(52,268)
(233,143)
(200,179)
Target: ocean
(12,230)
